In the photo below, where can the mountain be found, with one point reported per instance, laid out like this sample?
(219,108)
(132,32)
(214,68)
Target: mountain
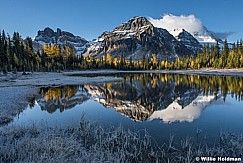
(138,37)
(205,36)
(202,36)
(62,38)
(186,38)
(174,24)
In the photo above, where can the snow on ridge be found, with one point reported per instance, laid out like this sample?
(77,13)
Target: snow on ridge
(202,38)
(205,39)
(176,32)
(190,23)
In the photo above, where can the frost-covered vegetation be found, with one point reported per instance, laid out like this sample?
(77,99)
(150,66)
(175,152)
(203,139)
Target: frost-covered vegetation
(93,143)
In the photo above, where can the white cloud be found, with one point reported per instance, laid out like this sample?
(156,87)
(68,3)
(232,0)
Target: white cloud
(170,22)
(191,24)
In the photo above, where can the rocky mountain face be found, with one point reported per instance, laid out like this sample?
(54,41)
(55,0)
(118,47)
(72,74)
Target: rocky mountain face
(138,37)
(135,38)
(62,38)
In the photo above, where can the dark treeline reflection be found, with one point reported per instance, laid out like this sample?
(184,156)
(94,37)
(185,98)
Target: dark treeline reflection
(209,85)
(64,97)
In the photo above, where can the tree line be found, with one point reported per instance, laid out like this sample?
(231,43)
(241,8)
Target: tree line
(17,54)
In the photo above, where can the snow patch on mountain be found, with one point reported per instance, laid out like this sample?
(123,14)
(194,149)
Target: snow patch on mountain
(188,22)
(176,32)
(186,38)
(136,38)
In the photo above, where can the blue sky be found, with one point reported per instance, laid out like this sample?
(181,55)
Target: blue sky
(90,18)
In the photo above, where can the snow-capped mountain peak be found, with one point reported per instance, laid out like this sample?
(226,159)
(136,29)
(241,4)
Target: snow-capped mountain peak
(186,38)
(174,24)
(202,36)
(137,38)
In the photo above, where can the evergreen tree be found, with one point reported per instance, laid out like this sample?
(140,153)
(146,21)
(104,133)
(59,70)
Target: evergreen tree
(130,63)
(143,62)
(224,55)
(1,51)
(122,61)
(4,51)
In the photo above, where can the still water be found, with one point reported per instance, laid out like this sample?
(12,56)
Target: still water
(163,104)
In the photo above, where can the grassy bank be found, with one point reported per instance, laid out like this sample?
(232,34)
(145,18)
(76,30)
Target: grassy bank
(93,143)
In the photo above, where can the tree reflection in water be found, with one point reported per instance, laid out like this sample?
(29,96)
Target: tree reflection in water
(64,97)
(139,96)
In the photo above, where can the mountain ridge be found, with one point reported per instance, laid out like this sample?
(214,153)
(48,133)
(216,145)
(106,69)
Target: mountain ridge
(134,38)
(137,38)
(62,38)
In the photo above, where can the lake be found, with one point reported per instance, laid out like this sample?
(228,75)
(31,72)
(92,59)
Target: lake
(162,104)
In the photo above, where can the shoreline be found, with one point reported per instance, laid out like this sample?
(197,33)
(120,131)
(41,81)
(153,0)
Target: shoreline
(209,71)
(17,89)
(203,71)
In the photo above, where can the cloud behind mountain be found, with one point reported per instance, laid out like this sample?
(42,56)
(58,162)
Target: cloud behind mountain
(191,24)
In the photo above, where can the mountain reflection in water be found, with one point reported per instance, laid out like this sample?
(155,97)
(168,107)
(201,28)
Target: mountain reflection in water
(148,96)
(174,112)
(65,97)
